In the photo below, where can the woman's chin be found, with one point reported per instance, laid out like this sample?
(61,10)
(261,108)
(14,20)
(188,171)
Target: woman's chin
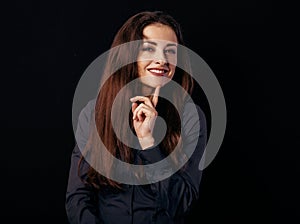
(154,82)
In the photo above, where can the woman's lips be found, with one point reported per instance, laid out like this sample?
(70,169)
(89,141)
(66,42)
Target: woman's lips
(158,72)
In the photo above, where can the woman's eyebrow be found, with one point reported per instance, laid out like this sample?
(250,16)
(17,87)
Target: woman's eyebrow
(168,45)
(149,42)
(153,43)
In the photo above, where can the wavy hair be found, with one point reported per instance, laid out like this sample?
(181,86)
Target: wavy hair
(132,30)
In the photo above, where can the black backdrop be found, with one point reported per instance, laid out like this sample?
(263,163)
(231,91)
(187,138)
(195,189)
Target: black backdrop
(47,47)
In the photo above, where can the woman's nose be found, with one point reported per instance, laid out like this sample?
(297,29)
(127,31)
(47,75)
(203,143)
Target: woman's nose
(160,58)
(161,61)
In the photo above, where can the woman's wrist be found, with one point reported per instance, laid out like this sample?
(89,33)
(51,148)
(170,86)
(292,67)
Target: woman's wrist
(146,142)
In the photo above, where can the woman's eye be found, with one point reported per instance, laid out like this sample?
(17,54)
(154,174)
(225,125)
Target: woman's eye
(170,51)
(149,49)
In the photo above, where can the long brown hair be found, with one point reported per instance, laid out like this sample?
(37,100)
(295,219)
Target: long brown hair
(132,30)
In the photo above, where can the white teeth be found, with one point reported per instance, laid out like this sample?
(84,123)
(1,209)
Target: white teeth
(157,71)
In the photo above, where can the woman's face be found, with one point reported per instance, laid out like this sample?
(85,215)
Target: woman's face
(157,58)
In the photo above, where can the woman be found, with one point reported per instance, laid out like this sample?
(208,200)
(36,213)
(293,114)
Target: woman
(150,54)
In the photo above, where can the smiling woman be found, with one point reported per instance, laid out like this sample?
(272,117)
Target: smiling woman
(158,56)
(93,196)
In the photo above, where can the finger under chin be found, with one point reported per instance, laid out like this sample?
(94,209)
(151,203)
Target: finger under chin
(155,96)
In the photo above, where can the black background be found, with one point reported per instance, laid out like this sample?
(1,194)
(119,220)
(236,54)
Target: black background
(47,46)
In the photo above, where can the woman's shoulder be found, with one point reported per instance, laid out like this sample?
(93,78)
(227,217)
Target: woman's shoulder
(84,123)
(88,108)
(193,118)
(193,110)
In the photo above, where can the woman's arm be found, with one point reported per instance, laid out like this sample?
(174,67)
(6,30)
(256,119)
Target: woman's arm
(81,206)
(81,203)
(177,193)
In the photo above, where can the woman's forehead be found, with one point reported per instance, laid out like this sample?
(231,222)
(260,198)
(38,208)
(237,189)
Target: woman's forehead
(160,32)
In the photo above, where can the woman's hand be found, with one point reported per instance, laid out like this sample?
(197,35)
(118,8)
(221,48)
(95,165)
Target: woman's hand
(144,116)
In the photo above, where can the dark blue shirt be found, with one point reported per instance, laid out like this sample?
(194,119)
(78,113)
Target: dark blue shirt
(163,202)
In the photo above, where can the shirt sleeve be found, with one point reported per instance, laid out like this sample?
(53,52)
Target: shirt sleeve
(81,206)
(177,193)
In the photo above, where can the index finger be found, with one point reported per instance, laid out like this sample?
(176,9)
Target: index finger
(155,96)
